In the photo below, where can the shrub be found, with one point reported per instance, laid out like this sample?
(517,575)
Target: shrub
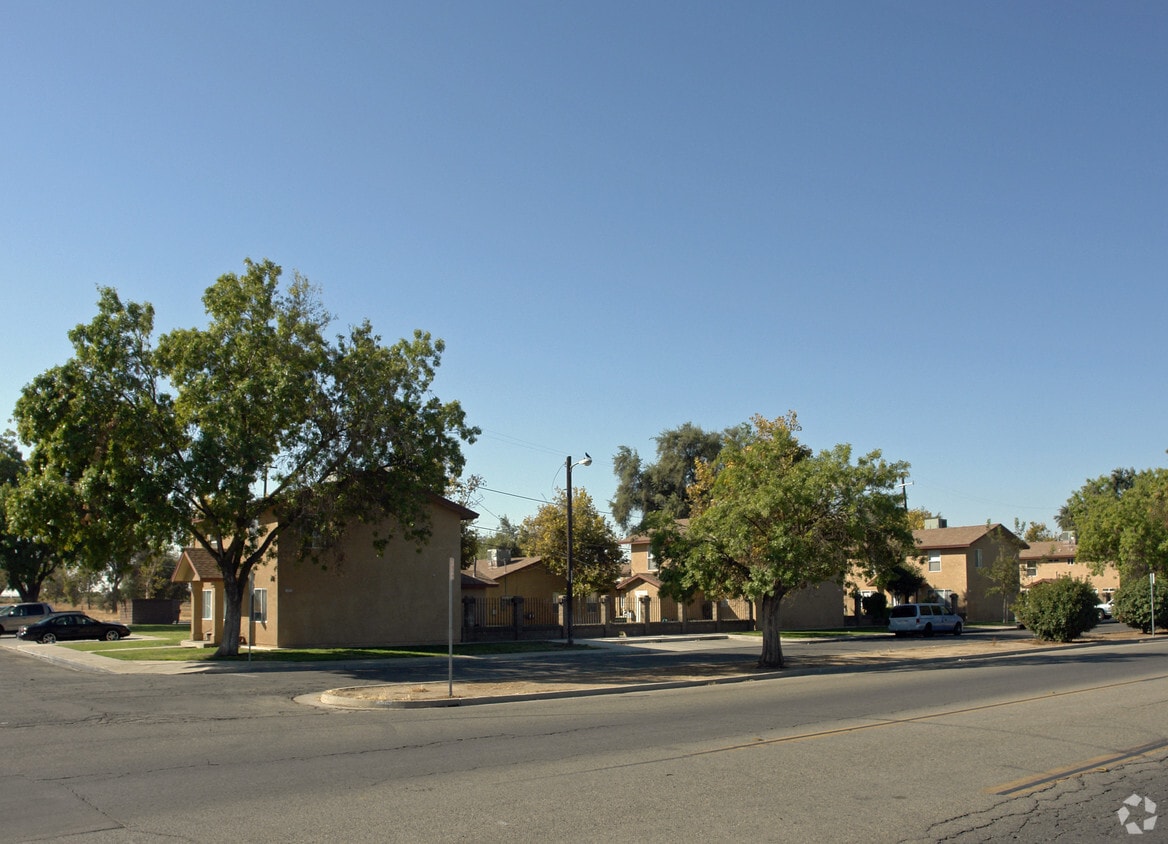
(1131,605)
(1058,610)
(875,606)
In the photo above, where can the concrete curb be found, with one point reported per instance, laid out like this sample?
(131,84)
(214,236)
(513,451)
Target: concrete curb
(336,698)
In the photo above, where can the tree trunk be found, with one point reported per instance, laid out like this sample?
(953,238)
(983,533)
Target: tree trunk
(233,589)
(772,647)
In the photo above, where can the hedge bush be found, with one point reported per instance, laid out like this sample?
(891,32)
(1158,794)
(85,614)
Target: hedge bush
(1058,610)
(1131,604)
(875,606)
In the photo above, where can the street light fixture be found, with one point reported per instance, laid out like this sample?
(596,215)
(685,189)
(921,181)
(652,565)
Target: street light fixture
(587,461)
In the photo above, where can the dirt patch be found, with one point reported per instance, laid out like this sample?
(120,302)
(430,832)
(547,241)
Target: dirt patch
(584,682)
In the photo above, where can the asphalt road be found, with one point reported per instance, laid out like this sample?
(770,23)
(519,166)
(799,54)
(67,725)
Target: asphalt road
(1044,746)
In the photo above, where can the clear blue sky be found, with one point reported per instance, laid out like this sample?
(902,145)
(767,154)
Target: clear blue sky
(936,229)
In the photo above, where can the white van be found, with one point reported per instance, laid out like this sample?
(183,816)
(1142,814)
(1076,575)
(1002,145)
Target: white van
(923,619)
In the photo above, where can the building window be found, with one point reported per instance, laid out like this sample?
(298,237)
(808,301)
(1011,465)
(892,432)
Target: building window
(259,605)
(208,604)
(652,561)
(1032,570)
(934,562)
(977,558)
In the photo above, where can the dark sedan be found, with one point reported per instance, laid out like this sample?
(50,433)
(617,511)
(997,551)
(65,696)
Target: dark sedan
(69,626)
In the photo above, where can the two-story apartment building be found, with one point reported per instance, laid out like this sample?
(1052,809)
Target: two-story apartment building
(955,563)
(817,606)
(1059,558)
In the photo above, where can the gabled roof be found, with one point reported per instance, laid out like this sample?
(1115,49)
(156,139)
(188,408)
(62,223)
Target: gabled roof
(476,581)
(484,567)
(463,513)
(642,576)
(196,565)
(1049,550)
(960,537)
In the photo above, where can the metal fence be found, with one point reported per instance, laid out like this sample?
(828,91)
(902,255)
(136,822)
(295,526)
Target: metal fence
(593,616)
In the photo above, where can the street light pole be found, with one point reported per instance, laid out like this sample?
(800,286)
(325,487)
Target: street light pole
(904,485)
(568,464)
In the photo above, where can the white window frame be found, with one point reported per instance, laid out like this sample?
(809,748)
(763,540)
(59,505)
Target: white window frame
(259,605)
(208,605)
(935,562)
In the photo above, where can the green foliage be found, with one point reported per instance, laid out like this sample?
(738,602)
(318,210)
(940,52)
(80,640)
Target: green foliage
(903,580)
(1132,604)
(1122,518)
(596,554)
(1005,575)
(1033,531)
(149,577)
(463,491)
(268,419)
(506,538)
(661,487)
(875,606)
(1058,610)
(917,517)
(776,518)
(26,562)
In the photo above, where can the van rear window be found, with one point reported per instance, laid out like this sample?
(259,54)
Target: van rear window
(903,611)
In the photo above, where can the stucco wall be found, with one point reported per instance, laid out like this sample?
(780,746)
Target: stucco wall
(814,607)
(399,598)
(1106,582)
(534,582)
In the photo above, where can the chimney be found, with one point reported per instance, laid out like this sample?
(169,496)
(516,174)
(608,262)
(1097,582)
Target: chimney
(935,522)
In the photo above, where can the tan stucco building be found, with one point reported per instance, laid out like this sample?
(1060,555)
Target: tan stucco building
(815,607)
(955,563)
(401,597)
(1050,560)
(524,577)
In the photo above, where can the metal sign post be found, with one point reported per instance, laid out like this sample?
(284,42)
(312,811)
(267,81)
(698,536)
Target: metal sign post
(450,635)
(1152,599)
(251,614)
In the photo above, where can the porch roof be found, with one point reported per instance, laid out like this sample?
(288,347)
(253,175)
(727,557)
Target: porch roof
(196,565)
(640,577)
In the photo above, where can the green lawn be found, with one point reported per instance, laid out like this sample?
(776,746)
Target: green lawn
(161,642)
(827,633)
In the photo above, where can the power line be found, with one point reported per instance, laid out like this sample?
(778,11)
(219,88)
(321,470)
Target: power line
(514,495)
(536,500)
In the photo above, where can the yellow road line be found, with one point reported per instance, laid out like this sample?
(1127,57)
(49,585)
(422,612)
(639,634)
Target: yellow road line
(1097,764)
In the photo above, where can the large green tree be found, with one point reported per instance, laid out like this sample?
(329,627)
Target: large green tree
(1122,518)
(776,518)
(26,561)
(645,488)
(1033,531)
(505,538)
(258,418)
(596,554)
